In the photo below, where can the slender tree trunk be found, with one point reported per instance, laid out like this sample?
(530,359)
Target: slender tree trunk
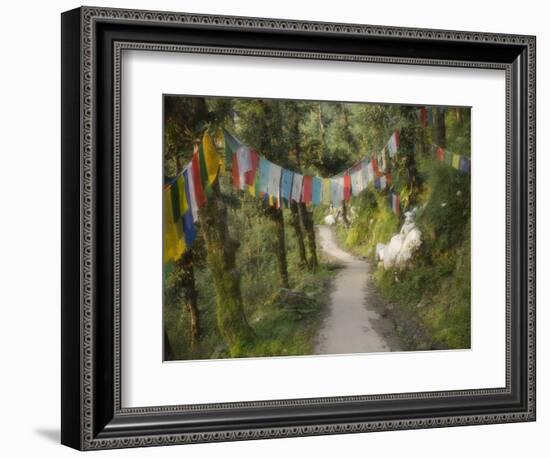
(220,254)
(295,222)
(307,221)
(422,139)
(187,282)
(276,215)
(439,125)
(345,213)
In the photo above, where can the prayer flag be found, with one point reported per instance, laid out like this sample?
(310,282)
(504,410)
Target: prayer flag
(316,190)
(274,183)
(190,192)
(365,173)
(235,172)
(326,191)
(396,203)
(306,189)
(377,183)
(357,184)
(440,154)
(174,244)
(448,157)
(456,161)
(202,164)
(347,187)
(244,163)
(430,115)
(337,191)
(231,146)
(464,164)
(178,201)
(297,187)
(424,116)
(383,182)
(375,168)
(380,162)
(286,185)
(200,197)
(211,159)
(263,175)
(250,176)
(370,172)
(393,143)
(190,216)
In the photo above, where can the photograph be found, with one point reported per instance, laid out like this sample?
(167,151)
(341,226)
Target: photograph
(307,227)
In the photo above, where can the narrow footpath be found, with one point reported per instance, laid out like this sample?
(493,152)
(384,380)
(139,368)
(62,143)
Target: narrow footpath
(351,325)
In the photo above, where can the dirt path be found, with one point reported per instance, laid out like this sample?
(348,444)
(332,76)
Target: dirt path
(351,326)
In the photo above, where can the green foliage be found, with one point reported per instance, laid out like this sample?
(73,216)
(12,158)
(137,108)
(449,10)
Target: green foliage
(375,222)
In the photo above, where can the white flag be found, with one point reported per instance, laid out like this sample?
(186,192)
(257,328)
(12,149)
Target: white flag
(244,163)
(297,187)
(274,181)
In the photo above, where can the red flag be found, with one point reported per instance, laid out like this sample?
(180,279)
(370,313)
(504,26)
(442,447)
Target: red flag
(396,134)
(347,187)
(251,174)
(375,168)
(199,192)
(235,172)
(440,154)
(424,116)
(388,179)
(306,190)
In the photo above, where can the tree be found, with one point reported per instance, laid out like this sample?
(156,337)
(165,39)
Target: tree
(439,127)
(221,250)
(186,120)
(260,125)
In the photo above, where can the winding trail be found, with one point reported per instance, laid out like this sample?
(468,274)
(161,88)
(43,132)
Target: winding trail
(351,326)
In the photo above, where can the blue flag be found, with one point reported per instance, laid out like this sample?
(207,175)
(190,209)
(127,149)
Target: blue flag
(264,174)
(317,185)
(464,165)
(286,184)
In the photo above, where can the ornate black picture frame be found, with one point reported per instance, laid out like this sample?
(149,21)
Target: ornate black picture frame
(92,42)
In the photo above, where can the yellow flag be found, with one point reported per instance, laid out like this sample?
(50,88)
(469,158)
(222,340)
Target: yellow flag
(182,197)
(211,158)
(174,242)
(326,191)
(456,161)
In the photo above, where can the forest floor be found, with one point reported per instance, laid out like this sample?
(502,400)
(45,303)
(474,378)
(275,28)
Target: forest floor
(353,324)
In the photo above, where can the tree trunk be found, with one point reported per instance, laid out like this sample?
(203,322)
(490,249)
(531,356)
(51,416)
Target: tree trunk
(276,215)
(220,254)
(345,213)
(187,282)
(307,221)
(295,222)
(439,125)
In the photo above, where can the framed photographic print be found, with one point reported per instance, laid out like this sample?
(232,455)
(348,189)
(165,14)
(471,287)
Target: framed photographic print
(277,228)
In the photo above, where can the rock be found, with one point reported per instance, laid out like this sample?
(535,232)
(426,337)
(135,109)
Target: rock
(402,246)
(220,351)
(392,250)
(288,298)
